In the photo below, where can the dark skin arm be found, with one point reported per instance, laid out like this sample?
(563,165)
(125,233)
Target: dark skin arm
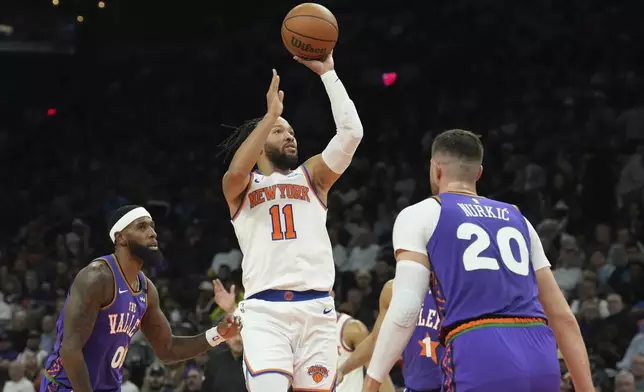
(169,348)
(157,330)
(92,288)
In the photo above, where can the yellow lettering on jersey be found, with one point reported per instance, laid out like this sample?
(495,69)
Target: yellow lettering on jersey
(127,323)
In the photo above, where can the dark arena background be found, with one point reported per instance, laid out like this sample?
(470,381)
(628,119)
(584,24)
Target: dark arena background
(126,101)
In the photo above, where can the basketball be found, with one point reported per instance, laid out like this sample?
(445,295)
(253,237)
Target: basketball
(310,31)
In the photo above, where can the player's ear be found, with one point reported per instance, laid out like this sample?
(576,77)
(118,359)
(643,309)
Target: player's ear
(119,239)
(480,173)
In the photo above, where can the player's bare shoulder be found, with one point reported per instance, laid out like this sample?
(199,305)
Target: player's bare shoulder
(95,282)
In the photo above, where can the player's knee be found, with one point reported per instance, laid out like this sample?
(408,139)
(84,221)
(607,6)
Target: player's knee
(404,307)
(267,382)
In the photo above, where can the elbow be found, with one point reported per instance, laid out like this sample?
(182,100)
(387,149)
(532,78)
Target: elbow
(356,134)
(353,128)
(563,318)
(68,352)
(168,361)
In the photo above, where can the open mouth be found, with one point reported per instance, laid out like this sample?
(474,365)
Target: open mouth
(290,148)
(154,246)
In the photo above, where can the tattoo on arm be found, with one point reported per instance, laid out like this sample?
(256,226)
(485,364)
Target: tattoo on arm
(92,288)
(157,330)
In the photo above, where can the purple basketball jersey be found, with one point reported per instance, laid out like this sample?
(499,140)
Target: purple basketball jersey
(107,346)
(480,258)
(423,352)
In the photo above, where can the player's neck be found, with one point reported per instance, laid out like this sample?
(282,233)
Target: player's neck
(130,265)
(267,168)
(459,187)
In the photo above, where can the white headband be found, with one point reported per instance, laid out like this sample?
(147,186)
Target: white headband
(126,219)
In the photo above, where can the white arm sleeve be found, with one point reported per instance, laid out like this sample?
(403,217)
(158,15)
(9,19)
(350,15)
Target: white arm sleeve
(409,290)
(537,254)
(339,152)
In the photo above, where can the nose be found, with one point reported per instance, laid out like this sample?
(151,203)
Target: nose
(153,233)
(290,138)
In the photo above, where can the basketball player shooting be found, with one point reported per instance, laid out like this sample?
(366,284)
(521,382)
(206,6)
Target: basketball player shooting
(496,296)
(108,302)
(279,215)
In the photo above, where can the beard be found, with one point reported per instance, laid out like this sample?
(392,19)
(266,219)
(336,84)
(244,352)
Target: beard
(147,255)
(280,160)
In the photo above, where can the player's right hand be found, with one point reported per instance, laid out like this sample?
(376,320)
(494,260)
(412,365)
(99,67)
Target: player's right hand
(274,97)
(229,327)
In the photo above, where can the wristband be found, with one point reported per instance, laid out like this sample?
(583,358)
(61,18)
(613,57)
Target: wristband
(213,337)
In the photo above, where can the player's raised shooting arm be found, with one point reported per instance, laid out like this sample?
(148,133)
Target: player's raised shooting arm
(327,167)
(560,317)
(169,348)
(93,288)
(237,176)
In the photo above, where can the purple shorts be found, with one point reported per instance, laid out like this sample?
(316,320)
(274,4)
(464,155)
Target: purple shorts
(494,359)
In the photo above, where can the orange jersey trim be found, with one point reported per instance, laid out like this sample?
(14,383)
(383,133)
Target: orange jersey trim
(494,322)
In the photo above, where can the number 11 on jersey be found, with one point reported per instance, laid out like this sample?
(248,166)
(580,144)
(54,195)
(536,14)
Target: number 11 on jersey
(286,231)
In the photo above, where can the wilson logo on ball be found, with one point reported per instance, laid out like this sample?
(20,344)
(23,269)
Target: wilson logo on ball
(296,43)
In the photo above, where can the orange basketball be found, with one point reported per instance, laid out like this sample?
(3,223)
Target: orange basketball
(310,31)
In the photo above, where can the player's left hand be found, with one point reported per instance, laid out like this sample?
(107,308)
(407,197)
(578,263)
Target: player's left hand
(370,385)
(229,327)
(224,299)
(320,67)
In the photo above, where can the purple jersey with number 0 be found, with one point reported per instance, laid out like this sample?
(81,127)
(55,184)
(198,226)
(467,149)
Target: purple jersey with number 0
(107,346)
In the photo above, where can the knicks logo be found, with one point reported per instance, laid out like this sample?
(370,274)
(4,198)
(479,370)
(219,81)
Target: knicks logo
(318,373)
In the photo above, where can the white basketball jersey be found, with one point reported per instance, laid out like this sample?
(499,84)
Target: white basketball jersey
(281,229)
(353,381)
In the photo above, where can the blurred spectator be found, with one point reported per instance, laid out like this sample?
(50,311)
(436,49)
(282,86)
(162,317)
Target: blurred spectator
(17,330)
(568,270)
(637,369)
(628,275)
(33,370)
(364,252)
(194,380)
(229,256)
(7,351)
(17,380)
(5,311)
(588,292)
(128,385)
(223,371)
(48,335)
(625,382)
(33,347)
(155,379)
